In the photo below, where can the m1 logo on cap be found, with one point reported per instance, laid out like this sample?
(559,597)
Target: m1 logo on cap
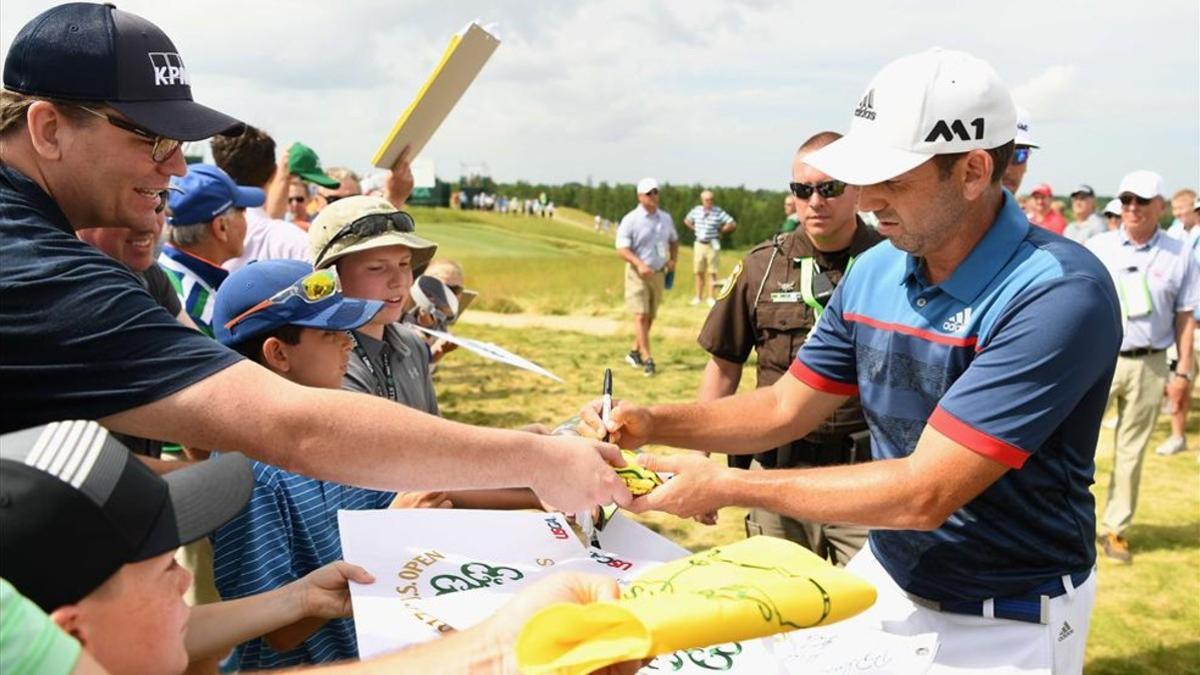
(866,107)
(168,69)
(942,131)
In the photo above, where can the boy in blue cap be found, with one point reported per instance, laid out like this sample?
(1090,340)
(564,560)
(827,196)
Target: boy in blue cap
(293,321)
(207,226)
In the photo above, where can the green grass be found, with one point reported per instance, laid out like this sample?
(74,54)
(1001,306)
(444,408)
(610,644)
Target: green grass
(1147,615)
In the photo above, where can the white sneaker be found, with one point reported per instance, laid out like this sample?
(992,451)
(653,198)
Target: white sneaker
(1172,446)
(711,302)
(695,301)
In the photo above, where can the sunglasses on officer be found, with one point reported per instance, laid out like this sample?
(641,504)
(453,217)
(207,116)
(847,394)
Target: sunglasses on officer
(1130,198)
(828,189)
(1020,155)
(161,147)
(313,287)
(370,225)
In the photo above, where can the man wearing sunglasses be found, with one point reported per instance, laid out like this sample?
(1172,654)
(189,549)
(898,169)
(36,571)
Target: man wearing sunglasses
(775,297)
(982,350)
(1023,146)
(82,338)
(1159,285)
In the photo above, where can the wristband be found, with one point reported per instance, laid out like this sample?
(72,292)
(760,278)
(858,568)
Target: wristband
(1186,376)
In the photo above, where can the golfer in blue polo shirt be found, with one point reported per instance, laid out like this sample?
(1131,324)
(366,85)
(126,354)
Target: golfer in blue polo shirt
(982,349)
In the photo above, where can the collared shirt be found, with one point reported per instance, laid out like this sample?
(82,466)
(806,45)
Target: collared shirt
(80,338)
(196,281)
(408,357)
(1051,221)
(1171,275)
(762,311)
(648,235)
(288,529)
(1082,230)
(269,238)
(1011,357)
(708,223)
(1191,236)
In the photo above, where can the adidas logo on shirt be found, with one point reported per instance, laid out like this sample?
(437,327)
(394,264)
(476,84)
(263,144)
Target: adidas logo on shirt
(959,321)
(866,107)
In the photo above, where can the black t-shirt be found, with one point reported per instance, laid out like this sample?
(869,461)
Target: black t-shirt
(80,337)
(161,290)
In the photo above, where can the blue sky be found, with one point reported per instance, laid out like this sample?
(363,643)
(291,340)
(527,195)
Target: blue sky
(706,91)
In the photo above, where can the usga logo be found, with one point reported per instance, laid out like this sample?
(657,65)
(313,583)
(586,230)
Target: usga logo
(168,69)
(556,529)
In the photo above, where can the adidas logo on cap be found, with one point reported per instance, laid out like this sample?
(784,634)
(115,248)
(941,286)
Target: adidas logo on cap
(866,107)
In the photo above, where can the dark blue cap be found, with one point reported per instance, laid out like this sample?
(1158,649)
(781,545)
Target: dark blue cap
(207,192)
(260,280)
(82,51)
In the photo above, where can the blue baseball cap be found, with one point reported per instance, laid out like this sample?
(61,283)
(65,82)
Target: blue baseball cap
(81,51)
(259,281)
(205,193)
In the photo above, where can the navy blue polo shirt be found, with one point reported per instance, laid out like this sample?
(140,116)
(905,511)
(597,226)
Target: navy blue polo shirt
(1012,357)
(80,337)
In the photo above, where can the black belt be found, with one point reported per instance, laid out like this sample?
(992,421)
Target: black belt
(1144,351)
(849,449)
(703,241)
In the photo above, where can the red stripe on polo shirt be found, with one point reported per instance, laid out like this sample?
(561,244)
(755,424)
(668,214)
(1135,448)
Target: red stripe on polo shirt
(977,441)
(915,332)
(820,382)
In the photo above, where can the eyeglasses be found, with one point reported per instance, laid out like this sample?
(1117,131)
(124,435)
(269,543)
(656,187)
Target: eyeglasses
(829,189)
(297,200)
(652,193)
(312,287)
(1128,198)
(1020,156)
(161,150)
(369,226)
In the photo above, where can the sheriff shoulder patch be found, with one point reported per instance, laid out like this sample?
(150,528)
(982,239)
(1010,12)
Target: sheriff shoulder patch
(731,282)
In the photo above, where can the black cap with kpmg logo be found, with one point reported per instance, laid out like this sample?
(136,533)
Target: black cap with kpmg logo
(82,51)
(75,506)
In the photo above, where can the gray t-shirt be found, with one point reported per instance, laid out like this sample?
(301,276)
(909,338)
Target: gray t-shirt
(409,362)
(1082,230)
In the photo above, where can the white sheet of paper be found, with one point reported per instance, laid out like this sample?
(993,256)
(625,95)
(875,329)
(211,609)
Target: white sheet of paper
(455,567)
(836,649)
(424,173)
(489,351)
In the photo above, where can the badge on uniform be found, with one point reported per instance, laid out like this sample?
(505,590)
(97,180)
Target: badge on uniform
(787,296)
(733,277)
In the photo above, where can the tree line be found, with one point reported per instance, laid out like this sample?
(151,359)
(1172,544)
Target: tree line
(759,213)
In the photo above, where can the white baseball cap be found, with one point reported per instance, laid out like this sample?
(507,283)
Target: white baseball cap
(1145,184)
(935,102)
(1023,135)
(1113,207)
(645,185)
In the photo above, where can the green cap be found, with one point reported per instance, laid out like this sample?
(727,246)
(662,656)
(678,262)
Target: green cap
(303,162)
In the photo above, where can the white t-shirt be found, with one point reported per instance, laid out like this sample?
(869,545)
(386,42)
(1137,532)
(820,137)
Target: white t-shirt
(268,238)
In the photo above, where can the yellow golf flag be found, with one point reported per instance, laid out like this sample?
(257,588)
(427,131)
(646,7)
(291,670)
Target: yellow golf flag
(750,589)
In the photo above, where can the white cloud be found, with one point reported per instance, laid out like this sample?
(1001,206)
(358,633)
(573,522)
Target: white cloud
(1049,93)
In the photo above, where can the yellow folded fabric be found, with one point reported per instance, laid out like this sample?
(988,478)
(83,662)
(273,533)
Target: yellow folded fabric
(750,589)
(638,478)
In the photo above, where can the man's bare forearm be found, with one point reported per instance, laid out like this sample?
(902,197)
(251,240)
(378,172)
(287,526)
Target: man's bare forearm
(720,379)
(630,257)
(1185,334)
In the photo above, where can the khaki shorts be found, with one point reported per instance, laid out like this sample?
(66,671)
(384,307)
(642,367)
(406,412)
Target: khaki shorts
(705,258)
(643,296)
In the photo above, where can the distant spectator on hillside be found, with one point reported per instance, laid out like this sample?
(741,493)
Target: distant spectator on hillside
(249,159)
(1112,213)
(708,221)
(1183,207)
(649,245)
(1041,212)
(1087,223)
(791,220)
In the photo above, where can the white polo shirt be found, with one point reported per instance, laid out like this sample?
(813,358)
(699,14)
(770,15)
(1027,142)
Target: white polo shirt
(1172,276)
(268,238)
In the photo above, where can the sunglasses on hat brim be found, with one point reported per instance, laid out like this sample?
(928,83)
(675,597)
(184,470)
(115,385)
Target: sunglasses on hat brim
(311,288)
(371,225)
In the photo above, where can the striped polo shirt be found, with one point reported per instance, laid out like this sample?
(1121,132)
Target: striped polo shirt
(707,223)
(288,529)
(1011,357)
(195,281)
